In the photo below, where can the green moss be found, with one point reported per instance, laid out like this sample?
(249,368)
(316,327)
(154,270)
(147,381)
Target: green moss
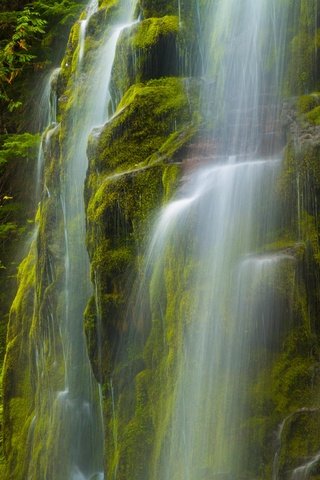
(134,167)
(148,32)
(162,95)
(146,51)
(69,62)
(314,116)
(158,8)
(135,145)
(170,177)
(306,103)
(301,436)
(107,3)
(302,54)
(17,386)
(146,115)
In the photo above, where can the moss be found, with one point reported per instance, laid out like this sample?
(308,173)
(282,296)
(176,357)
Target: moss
(135,166)
(306,103)
(287,390)
(146,51)
(17,384)
(299,439)
(157,8)
(132,459)
(145,116)
(170,177)
(302,70)
(107,3)
(135,146)
(314,116)
(148,32)
(110,260)
(69,61)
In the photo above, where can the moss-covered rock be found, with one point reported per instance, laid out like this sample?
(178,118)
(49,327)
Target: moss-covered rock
(284,397)
(134,166)
(157,8)
(148,50)
(130,173)
(302,47)
(136,161)
(17,381)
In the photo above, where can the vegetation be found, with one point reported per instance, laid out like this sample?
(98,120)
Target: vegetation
(15,55)
(31,38)
(135,164)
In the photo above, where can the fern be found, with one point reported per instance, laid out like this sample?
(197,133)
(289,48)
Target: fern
(17,53)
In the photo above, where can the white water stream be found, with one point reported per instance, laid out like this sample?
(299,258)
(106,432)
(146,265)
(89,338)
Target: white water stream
(48,107)
(233,206)
(91,9)
(75,430)
(211,236)
(80,404)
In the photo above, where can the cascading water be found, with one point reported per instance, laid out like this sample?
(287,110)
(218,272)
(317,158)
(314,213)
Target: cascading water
(214,233)
(74,419)
(187,384)
(90,10)
(231,315)
(48,105)
(304,472)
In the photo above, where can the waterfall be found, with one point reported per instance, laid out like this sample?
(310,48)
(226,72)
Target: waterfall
(231,315)
(209,246)
(48,105)
(244,61)
(304,472)
(91,9)
(69,409)
(187,374)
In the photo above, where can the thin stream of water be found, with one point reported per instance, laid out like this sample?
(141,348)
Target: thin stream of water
(74,412)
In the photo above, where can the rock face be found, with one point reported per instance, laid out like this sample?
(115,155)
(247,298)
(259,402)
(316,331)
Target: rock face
(156,134)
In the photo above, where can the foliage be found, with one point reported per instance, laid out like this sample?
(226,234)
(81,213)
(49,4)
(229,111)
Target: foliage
(64,11)
(24,40)
(16,54)
(16,151)
(18,146)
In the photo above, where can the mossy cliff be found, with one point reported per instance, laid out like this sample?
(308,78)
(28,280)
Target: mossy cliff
(136,360)
(154,120)
(32,341)
(135,163)
(294,380)
(135,325)
(284,421)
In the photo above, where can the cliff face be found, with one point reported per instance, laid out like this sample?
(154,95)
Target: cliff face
(135,320)
(135,163)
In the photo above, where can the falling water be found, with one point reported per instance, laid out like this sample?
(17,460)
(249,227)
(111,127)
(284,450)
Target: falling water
(214,232)
(244,45)
(48,100)
(224,324)
(48,107)
(75,427)
(303,472)
(80,396)
(90,10)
